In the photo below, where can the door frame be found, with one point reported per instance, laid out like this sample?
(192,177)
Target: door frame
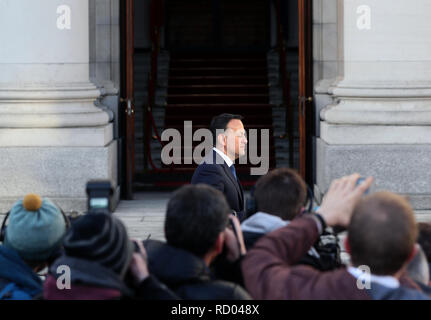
(127,102)
(306,101)
(127,108)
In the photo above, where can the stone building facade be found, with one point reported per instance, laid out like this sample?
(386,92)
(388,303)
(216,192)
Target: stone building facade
(60,82)
(373,99)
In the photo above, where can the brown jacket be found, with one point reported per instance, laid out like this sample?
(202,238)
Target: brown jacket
(269,272)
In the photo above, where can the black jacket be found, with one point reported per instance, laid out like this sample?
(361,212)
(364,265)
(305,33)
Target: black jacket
(216,173)
(92,281)
(187,275)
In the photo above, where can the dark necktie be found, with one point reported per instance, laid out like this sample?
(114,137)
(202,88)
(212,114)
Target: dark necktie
(232,169)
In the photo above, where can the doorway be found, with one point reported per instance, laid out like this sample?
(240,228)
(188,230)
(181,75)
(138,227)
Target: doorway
(202,26)
(208,25)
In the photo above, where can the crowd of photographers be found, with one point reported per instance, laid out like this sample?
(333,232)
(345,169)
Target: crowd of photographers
(283,250)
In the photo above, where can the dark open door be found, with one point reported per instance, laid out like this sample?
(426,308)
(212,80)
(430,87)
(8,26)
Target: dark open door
(208,25)
(305,89)
(127,107)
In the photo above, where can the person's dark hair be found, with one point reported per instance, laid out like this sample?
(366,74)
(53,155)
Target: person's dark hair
(195,216)
(382,233)
(281,192)
(424,238)
(418,269)
(220,122)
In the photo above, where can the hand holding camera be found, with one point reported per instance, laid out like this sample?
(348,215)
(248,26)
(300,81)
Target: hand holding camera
(341,198)
(234,240)
(138,265)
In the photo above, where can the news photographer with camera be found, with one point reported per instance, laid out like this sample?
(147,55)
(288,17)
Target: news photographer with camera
(31,236)
(197,233)
(279,197)
(381,238)
(103,264)
(227,265)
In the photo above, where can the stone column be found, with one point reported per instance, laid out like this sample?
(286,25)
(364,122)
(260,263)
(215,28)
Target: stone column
(379,124)
(52,136)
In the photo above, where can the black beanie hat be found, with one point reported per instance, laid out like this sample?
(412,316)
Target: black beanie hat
(100,238)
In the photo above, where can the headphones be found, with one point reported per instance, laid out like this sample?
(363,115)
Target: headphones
(251,205)
(4,224)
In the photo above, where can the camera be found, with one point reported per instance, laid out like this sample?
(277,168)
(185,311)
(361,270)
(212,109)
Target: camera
(99,194)
(326,253)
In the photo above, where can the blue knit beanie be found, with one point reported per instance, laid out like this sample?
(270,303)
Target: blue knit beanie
(35,228)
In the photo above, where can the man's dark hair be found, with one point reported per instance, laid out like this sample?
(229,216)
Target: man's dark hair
(196,214)
(418,269)
(281,192)
(220,122)
(424,238)
(382,233)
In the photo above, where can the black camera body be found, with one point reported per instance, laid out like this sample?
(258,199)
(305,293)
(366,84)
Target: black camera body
(99,194)
(329,253)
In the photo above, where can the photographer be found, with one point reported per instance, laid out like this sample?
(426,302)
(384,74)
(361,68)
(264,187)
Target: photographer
(103,264)
(32,233)
(381,237)
(197,232)
(279,197)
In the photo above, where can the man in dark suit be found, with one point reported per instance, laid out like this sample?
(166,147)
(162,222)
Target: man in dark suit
(218,170)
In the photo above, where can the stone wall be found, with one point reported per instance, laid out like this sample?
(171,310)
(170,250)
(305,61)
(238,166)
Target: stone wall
(56,134)
(377,114)
(104,18)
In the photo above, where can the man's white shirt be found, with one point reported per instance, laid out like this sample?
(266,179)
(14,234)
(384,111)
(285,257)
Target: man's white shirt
(387,281)
(225,157)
